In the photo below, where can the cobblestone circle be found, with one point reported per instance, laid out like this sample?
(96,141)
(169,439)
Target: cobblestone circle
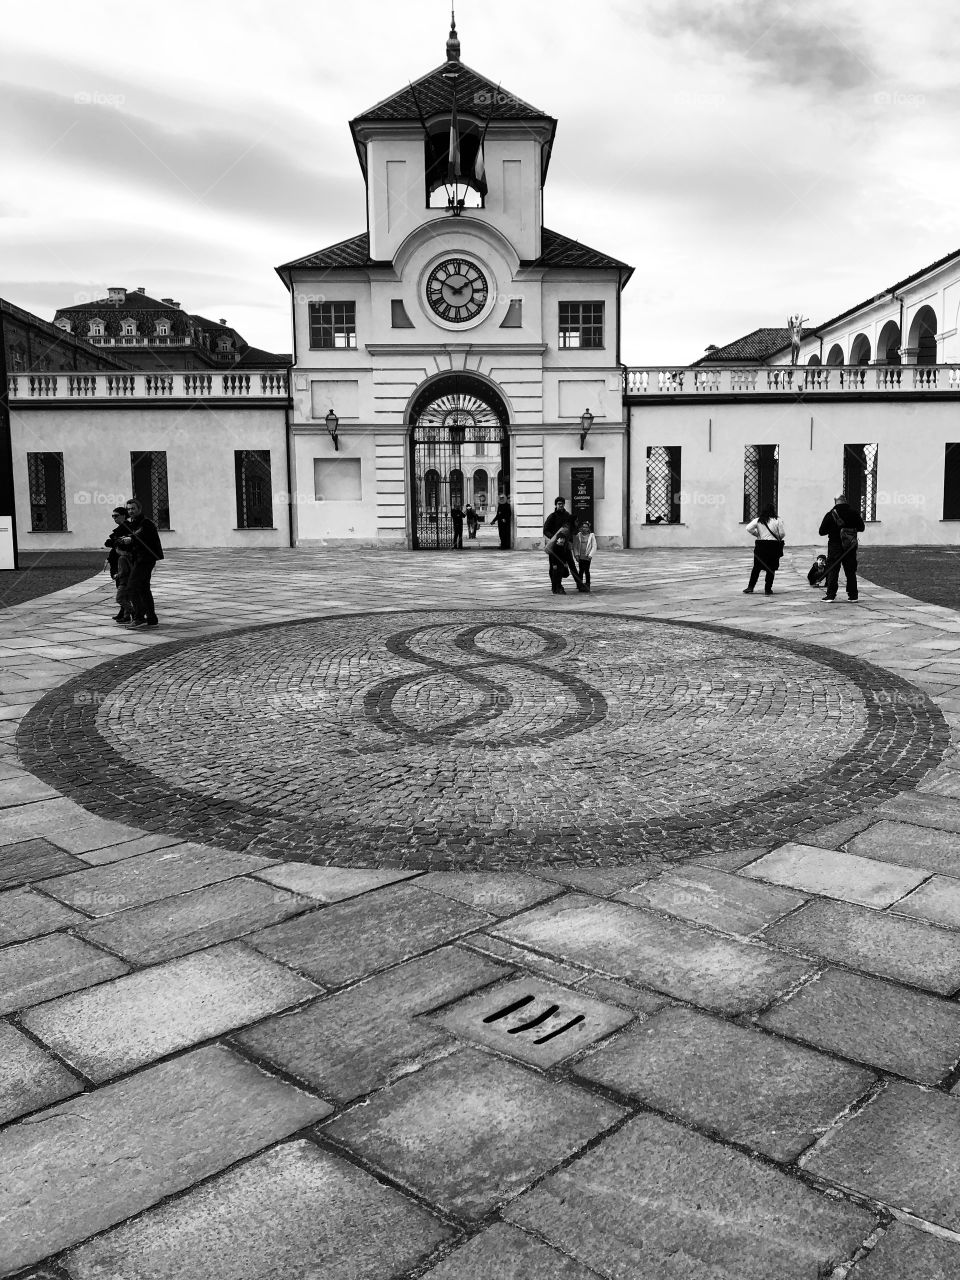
(483,739)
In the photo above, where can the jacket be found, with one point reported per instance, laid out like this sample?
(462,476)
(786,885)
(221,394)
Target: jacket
(848,519)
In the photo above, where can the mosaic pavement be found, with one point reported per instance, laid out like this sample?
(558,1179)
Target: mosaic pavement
(390,918)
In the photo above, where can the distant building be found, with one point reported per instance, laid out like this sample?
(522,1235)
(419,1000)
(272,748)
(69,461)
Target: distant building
(150,333)
(41,347)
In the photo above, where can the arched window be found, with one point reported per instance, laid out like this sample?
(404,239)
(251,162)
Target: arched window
(860,351)
(835,354)
(814,360)
(431,489)
(481,485)
(923,336)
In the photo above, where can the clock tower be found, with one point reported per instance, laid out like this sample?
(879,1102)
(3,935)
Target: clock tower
(446,356)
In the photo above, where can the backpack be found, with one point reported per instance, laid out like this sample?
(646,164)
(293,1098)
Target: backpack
(848,537)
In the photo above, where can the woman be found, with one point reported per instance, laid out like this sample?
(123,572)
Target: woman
(767,550)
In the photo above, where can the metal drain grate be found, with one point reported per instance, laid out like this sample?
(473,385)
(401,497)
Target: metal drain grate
(533,1020)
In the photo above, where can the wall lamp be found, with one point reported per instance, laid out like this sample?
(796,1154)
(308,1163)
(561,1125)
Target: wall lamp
(333,422)
(586,422)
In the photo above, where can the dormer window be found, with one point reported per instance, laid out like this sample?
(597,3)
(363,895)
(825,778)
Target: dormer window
(162,329)
(129,329)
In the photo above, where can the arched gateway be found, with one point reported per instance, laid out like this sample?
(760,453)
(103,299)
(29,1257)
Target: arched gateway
(458,439)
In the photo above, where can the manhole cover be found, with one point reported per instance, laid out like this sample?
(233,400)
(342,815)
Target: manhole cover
(534,1021)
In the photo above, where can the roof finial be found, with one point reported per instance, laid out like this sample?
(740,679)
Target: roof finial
(453,42)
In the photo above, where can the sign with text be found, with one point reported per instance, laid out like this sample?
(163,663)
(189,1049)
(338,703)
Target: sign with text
(581,500)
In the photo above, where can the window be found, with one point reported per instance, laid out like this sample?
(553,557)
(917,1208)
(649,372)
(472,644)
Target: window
(581,324)
(951,482)
(48,498)
(148,477)
(398,315)
(663,484)
(761,468)
(254,495)
(333,324)
(860,478)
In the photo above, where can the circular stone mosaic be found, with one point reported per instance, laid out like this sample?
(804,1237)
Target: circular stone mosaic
(493,739)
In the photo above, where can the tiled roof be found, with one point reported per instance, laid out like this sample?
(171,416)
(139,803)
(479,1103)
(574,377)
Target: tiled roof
(754,346)
(133,300)
(475,94)
(556,251)
(894,288)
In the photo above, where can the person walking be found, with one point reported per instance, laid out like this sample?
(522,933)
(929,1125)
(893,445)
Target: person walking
(767,549)
(585,548)
(501,517)
(472,522)
(840,527)
(456,515)
(559,551)
(145,543)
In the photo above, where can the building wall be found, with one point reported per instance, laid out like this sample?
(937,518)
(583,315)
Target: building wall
(199,441)
(911,435)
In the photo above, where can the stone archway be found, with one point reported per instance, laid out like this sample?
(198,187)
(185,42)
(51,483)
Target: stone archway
(458,426)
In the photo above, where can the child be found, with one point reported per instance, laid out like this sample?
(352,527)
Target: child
(559,551)
(120,561)
(818,572)
(585,548)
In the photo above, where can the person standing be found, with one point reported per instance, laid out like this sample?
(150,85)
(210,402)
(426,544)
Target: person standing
(840,527)
(472,522)
(501,517)
(767,549)
(585,548)
(557,518)
(120,562)
(145,543)
(456,515)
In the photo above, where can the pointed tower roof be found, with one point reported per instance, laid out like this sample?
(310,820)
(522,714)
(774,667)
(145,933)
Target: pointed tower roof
(475,94)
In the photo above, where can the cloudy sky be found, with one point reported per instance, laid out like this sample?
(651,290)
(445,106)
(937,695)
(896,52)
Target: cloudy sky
(750,158)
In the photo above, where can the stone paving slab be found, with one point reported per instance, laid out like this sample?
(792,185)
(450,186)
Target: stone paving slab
(909,845)
(661,1201)
(904,1253)
(345,941)
(728,903)
(125,1024)
(294,1213)
(924,810)
(634,998)
(667,955)
(29,1077)
(351,1043)
(34,860)
(520,958)
(938,901)
(42,968)
(25,788)
(472,1131)
(24,913)
(765,1093)
(100,891)
(876,942)
(878,1023)
(503,1252)
(902,1149)
(546,1022)
(501,894)
(836,874)
(127,849)
(199,918)
(328,884)
(101,1157)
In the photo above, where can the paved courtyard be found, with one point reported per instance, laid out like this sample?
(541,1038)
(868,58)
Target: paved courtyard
(386,916)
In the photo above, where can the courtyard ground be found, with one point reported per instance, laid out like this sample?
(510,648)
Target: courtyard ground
(387,916)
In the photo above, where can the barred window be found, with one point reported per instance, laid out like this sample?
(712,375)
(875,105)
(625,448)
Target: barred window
(860,478)
(48,497)
(951,482)
(333,325)
(254,493)
(148,476)
(581,324)
(663,484)
(761,477)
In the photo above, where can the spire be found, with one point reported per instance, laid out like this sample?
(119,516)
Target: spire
(453,40)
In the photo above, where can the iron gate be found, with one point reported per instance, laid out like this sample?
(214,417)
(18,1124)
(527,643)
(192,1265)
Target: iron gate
(458,443)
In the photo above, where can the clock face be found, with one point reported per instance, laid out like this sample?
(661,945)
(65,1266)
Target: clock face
(457,290)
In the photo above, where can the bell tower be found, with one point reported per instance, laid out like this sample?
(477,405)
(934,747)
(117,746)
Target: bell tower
(454,144)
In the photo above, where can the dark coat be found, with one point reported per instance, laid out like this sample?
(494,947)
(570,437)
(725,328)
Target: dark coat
(146,541)
(830,527)
(555,522)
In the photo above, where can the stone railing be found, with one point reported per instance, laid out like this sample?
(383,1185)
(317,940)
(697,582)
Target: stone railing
(788,380)
(249,385)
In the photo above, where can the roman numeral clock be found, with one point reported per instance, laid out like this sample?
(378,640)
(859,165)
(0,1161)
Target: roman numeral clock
(457,290)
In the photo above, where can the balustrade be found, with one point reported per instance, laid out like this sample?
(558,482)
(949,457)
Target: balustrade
(257,384)
(791,380)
